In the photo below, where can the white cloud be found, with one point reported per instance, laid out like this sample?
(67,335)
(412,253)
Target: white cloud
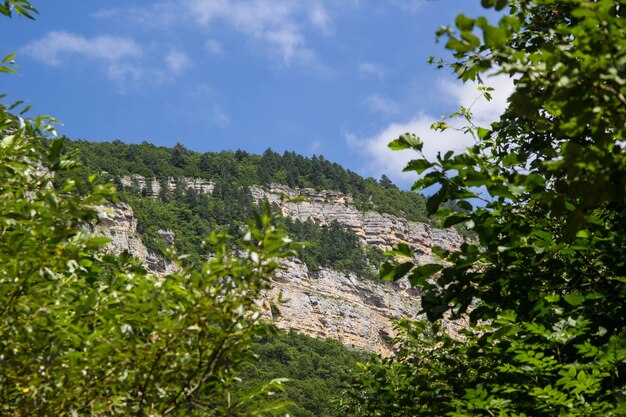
(119,55)
(214,47)
(382,160)
(54,45)
(320,18)
(276,23)
(377,103)
(281,26)
(371,69)
(467,95)
(177,61)
(158,15)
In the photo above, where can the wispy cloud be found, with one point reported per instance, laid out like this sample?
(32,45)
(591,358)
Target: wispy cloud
(213,47)
(381,160)
(377,103)
(177,61)
(54,47)
(118,56)
(281,26)
(122,59)
(371,69)
(320,18)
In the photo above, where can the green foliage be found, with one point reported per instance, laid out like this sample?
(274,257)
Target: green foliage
(86,333)
(17,7)
(192,216)
(544,286)
(317,370)
(416,381)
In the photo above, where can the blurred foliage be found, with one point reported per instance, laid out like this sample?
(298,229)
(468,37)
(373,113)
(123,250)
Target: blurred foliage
(89,333)
(543,287)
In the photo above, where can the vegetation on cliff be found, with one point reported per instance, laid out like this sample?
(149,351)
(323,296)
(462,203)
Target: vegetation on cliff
(193,216)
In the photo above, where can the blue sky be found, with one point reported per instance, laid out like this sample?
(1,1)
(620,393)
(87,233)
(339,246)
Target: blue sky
(339,78)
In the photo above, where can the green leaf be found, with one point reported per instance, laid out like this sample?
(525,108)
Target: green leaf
(501,4)
(482,132)
(17,103)
(401,249)
(422,273)
(574,299)
(406,141)
(455,219)
(393,271)
(494,36)
(418,165)
(464,23)
(8,58)
(434,201)
(55,150)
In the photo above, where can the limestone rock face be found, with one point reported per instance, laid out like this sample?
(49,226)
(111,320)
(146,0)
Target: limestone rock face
(328,303)
(119,224)
(152,186)
(323,303)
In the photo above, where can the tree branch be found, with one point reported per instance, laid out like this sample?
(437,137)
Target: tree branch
(613,91)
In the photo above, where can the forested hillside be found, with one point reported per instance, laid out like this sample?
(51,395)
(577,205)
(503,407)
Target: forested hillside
(192,215)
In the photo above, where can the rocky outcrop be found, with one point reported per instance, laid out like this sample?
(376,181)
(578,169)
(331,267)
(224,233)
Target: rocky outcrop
(382,230)
(322,303)
(344,307)
(152,186)
(119,224)
(324,207)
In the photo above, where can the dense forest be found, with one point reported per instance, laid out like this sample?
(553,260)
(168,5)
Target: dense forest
(318,370)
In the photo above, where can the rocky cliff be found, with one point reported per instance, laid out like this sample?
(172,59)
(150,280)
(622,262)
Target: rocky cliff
(322,303)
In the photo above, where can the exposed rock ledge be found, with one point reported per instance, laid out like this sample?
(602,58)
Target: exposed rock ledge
(382,230)
(324,207)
